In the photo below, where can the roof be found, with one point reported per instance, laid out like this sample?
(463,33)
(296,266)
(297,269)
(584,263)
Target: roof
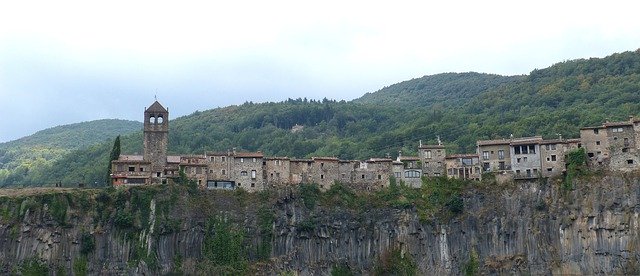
(575,140)
(526,140)
(616,124)
(492,142)
(131,158)
(325,159)
(553,141)
(409,158)
(379,160)
(217,153)
(276,158)
(466,155)
(431,147)
(173,159)
(156,107)
(249,154)
(592,127)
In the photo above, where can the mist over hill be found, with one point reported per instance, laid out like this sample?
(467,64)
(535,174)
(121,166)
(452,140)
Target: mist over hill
(459,107)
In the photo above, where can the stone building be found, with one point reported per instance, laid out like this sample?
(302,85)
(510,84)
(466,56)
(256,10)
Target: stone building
(156,139)
(525,157)
(300,171)
(246,170)
(552,157)
(621,139)
(277,171)
(495,155)
(408,170)
(432,159)
(463,166)
(195,168)
(130,170)
(324,171)
(595,142)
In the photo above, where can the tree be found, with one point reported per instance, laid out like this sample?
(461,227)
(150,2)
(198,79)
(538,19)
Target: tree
(115,154)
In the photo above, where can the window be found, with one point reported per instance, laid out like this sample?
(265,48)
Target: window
(158,174)
(597,143)
(532,149)
(322,176)
(467,161)
(595,131)
(625,149)
(141,169)
(516,150)
(501,154)
(322,165)
(379,177)
(617,129)
(278,175)
(626,142)
(553,147)
(212,159)
(549,169)
(243,173)
(428,154)
(553,158)
(485,155)
(253,184)
(224,172)
(253,174)
(241,160)
(518,160)
(224,159)
(254,160)
(524,159)
(132,169)
(411,174)
(363,176)
(590,154)
(501,165)
(398,175)
(630,161)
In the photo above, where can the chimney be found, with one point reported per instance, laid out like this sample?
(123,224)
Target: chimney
(420,142)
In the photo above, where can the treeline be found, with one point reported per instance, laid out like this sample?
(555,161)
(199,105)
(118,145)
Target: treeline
(460,108)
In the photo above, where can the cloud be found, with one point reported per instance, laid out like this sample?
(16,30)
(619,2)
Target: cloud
(70,61)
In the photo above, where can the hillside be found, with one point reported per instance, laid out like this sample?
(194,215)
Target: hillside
(24,156)
(442,90)
(551,101)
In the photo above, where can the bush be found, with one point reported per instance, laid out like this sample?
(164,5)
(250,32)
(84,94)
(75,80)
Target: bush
(310,194)
(87,243)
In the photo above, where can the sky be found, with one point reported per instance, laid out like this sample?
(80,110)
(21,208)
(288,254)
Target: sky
(65,62)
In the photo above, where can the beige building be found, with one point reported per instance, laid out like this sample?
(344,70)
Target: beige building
(130,170)
(463,166)
(552,156)
(596,144)
(495,155)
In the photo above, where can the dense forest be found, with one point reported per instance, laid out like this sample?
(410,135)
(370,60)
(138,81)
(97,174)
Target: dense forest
(459,107)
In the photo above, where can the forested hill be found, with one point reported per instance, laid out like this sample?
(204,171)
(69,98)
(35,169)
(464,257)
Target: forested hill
(551,101)
(443,90)
(24,156)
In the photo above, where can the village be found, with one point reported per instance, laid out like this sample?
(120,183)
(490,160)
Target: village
(612,146)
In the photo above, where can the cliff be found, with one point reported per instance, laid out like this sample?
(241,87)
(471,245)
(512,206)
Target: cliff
(537,227)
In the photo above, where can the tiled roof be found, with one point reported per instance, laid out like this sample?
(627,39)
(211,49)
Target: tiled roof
(131,158)
(173,159)
(466,155)
(492,142)
(156,107)
(326,159)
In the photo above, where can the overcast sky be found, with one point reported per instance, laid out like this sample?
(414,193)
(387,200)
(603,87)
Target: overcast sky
(65,62)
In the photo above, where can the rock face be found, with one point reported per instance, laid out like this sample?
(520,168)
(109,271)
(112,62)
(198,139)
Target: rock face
(521,228)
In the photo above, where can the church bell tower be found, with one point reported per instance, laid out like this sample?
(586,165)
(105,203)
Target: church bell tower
(156,131)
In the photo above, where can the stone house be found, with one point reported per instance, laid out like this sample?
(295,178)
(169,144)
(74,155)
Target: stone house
(463,166)
(247,170)
(495,155)
(195,167)
(408,170)
(432,159)
(552,157)
(623,152)
(300,169)
(525,157)
(324,171)
(373,173)
(277,171)
(596,144)
(130,170)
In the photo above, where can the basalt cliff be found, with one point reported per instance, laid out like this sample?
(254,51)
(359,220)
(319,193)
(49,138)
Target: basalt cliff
(538,227)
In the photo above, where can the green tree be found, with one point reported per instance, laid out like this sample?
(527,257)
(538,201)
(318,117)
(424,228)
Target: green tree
(115,154)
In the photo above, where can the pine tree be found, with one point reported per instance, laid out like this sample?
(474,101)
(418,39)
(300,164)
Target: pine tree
(115,154)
